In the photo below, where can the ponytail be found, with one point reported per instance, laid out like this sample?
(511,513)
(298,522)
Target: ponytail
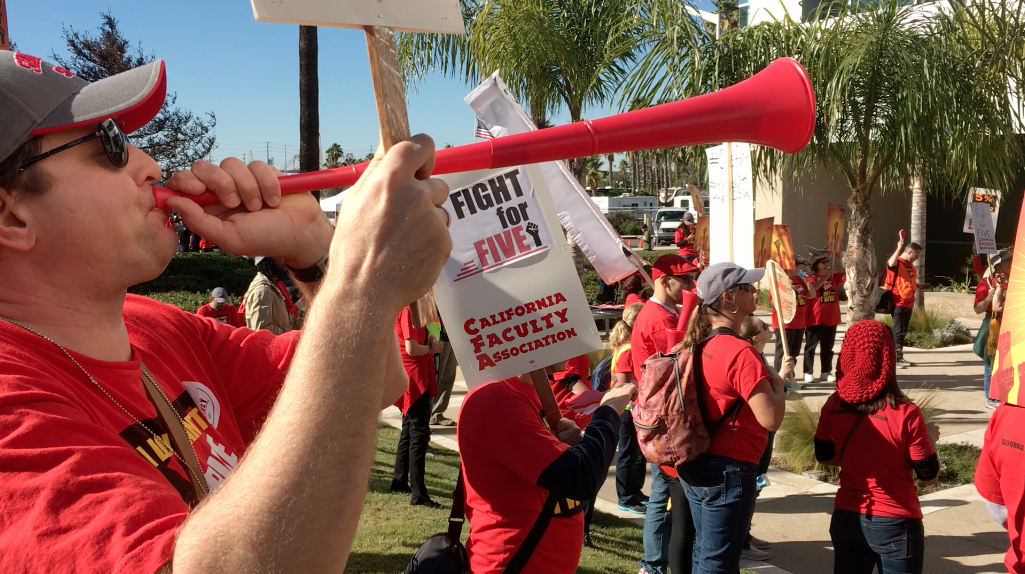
(624,328)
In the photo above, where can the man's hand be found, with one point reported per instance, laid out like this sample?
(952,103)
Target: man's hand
(253,218)
(568,432)
(787,368)
(618,397)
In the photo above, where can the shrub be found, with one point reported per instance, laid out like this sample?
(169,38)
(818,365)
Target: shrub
(927,330)
(201,272)
(624,223)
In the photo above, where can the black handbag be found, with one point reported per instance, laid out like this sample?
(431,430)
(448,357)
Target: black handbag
(886,304)
(443,553)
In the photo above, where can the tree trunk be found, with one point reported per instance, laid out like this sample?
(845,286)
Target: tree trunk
(859,259)
(309,102)
(634,176)
(918,215)
(610,158)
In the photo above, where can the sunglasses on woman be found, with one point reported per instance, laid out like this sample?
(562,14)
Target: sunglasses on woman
(748,287)
(115,144)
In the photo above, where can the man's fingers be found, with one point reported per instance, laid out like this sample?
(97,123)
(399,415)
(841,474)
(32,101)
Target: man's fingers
(414,157)
(186,182)
(266,178)
(244,182)
(202,223)
(219,181)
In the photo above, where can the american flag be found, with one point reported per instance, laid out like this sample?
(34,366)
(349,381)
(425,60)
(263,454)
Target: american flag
(482,131)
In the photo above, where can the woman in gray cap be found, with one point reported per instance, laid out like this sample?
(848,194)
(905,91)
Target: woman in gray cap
(740,402)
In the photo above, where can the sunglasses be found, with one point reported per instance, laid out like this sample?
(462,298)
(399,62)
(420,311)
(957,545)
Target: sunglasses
(115,144)
(746,287)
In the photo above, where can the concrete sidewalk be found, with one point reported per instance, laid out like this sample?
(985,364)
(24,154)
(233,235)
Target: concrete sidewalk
(793,514)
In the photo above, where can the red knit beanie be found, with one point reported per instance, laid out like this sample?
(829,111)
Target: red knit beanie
(867,361)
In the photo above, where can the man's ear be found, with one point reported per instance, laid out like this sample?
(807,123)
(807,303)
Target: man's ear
(16,230)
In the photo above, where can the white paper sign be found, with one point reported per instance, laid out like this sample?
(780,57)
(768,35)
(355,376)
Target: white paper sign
(421,16)
(979,194)
(495,222)
(743,224)
(522,314)
(985,237)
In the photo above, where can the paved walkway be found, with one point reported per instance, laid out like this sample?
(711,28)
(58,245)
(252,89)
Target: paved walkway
(793,513)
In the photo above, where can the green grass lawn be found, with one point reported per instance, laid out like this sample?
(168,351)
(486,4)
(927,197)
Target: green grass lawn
(390,530)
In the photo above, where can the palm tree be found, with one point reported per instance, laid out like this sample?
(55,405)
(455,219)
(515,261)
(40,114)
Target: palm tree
(897,95)
(309,102)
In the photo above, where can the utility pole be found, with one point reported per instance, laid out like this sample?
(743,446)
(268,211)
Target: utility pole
(268,152)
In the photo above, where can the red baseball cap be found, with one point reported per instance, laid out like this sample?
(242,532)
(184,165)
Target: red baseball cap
(675,265)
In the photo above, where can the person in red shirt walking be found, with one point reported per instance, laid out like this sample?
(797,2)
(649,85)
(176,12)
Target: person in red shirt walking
(877,436)
(411,457)
(740,402)
(672,275)
(824,315)
(989,299)
(902,280)
(220,310)
(998,478)
(518,472)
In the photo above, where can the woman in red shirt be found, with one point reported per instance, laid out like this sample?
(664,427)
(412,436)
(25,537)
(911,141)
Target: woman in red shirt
(989,299)
(824,315)
(740,402)
(411,457)
(877,436)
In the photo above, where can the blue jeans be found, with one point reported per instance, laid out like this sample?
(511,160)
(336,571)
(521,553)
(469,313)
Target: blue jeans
(862,543)
(987,372)
(721,492)
(658,525)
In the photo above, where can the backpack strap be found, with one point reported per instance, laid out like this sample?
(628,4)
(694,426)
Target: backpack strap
(734,408)
(523,554)
(456,518)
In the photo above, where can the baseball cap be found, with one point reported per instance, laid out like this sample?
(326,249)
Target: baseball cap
(672,265)
(688,217)
(220,294)
(1004,255)
(38,97)
(719,278)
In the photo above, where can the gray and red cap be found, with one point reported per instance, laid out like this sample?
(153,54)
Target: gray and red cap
(38,98)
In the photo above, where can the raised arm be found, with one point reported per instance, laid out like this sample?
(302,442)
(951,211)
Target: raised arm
(294,500)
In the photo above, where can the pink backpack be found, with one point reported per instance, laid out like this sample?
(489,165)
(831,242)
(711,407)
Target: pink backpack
(670,427)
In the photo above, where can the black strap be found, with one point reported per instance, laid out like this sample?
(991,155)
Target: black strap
(457,517)
(519,560)
(843,447)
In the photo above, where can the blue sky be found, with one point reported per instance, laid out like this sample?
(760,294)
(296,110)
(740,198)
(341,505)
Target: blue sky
(220,59)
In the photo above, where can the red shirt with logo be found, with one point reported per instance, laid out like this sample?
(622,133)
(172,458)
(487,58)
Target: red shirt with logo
(903,285)
(825,303)
(875,472)
(504,444)
(86,488)
(649,332)
(423,378)
(731,368)
(801,315)
(226,314)
(998,476)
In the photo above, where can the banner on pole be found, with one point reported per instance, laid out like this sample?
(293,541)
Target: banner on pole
(523,307)
(723,231)
(719,219)
(1009,361)
(787,306)
(782,247)
(763,241)
(980,195)
(701,237)
(835,229)
(982,228)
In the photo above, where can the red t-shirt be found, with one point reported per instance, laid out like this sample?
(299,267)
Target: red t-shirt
(982,291)
(998,476)
(825,304)
(504,444)
(801,315)
(632,298)
(84,487)
(903,289)
(731,368)
(579,365)
(423,378)
(875,473)
(625,363)
(227,314)
(649,332)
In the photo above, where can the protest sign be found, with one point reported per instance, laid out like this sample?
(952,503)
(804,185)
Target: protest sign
(1009,361)
(701,237)
(834,229)
(782,247)
(781,289)
(509,292)
(982,228)
(981,195)
(763,241)
(729,236)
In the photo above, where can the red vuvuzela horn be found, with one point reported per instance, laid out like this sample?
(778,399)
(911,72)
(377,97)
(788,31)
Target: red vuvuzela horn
(774,108)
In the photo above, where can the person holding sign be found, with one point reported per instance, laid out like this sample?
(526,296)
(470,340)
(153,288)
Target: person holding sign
(684,236)
(795,328)
(672,275)
(740,402)
(989,299)
(901,279)
(418,351)
(119,413)
(519,473)
(824,315)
